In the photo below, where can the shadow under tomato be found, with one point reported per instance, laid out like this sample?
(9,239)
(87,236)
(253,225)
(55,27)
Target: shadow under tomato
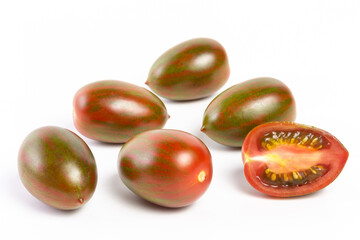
(22,195)
(170,101)
(124,194)
(214,145)
(103,144)
(238,176)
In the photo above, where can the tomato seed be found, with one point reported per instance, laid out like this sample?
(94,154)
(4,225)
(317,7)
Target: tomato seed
(295,178)
(305,139)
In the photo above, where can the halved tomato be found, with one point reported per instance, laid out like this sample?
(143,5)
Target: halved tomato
(286,159)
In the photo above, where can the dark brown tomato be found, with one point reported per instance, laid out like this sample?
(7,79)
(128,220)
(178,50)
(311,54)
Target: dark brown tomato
(285,159)
(169,168)
(193,69)
(57,167)
(233,113)
(114,111)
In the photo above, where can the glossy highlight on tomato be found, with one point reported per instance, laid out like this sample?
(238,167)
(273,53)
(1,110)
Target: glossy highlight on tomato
(285,159)
(169,168)
(57,167)
(193,69)
(114,111)
(233,113)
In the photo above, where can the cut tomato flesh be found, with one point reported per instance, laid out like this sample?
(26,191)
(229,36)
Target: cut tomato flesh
(287,159)
(284,159)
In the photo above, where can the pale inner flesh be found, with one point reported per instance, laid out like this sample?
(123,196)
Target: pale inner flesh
(285,159)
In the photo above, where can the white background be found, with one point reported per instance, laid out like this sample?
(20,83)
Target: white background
(49,49)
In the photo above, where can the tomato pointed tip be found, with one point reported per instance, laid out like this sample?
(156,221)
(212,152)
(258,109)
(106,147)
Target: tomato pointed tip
(203,129)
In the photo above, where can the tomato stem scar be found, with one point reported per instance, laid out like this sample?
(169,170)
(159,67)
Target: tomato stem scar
(201,176)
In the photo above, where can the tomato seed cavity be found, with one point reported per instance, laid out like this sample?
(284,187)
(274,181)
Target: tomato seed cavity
(295,178)
(300,138)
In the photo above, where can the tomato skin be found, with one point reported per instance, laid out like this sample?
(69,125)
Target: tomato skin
(190,70)
(169,168)
(333,156)
(234,112)
(57,167)
(114,111)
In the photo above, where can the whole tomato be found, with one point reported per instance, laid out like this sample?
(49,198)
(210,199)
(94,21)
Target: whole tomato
(57,167)
(190,70)
(233,113)
(114,111)
(169,168)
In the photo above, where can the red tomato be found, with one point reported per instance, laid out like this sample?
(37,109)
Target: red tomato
(115,111)
(286,159)
(170,168)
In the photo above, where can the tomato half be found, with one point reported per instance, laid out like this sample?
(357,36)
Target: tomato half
(286,159)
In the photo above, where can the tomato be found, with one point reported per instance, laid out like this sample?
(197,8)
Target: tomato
(57,167)
(192,69)
(234,112)
(286,159)
(114,111)
(169,168)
